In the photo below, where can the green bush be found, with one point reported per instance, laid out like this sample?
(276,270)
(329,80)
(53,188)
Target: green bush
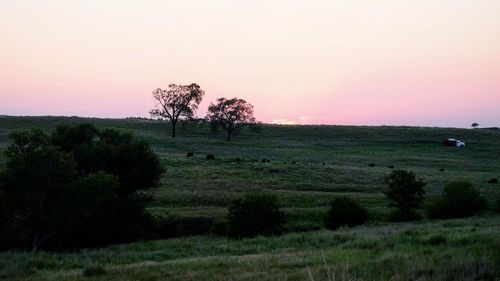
(437,240)
(255,214)
(93,270)
(195,226)
(173,226)
(345,211)
(459,199)
(405,192)
(495,206)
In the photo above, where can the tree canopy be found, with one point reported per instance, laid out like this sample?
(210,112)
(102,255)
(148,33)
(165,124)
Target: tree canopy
(405,192)
(75,188)
(176,102)
(231,114)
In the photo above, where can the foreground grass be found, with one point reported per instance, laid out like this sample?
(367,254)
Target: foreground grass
(465,249)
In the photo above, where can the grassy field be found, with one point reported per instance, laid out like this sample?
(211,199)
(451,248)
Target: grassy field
(309,166)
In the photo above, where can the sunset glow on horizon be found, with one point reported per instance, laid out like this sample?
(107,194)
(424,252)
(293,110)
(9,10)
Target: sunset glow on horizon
(399,62)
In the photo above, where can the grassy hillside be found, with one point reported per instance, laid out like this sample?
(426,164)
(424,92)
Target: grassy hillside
(329,161)
(467,249)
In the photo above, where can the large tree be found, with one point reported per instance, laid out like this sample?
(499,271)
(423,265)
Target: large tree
(176,102)
(79,187)
(231,114)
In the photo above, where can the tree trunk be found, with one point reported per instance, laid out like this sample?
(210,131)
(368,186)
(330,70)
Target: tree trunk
(35,243)
(229,133)
(38,240)
(174,123)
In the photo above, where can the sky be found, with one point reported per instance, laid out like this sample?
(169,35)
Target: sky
(398,62)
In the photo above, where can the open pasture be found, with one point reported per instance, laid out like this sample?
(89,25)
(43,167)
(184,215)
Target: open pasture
(308,167)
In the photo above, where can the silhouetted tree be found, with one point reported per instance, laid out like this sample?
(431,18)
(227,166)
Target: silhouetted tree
(78,187)
(475,125)
(405,193)
(176,102)
(35,188)
(231,114)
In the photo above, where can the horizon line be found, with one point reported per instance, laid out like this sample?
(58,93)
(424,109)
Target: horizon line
(263,123)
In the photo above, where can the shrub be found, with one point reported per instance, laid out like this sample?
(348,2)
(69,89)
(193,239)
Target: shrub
(195,226)
(459,199)
(255,214)
(165,227)
(437,240)
(345,211)
(93,270)
(405,192)
(496,207)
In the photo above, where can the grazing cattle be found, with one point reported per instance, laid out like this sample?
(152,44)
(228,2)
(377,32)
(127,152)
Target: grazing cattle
(324,163)
(189,154)
(441,170)
(210,157)
(264,160)
(238,160)
(391,167)
(371,165)
(493,181)
(268,161)
(293,162)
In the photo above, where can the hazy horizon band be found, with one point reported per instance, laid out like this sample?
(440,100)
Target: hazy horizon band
(425,63)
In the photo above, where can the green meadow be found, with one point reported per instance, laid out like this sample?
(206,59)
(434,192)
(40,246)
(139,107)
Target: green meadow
(308,167)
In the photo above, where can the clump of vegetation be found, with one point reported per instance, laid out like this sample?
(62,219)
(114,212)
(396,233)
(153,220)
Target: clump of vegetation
(195,226)
(496,207)
(459,199)
(437,240)
(345,211)
(93,270)
(78,187)
(406,193)
(255,214)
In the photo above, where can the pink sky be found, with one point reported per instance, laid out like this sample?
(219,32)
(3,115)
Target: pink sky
(400,62)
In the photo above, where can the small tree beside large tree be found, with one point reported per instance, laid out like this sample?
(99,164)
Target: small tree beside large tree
(231,115)
(176,102)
